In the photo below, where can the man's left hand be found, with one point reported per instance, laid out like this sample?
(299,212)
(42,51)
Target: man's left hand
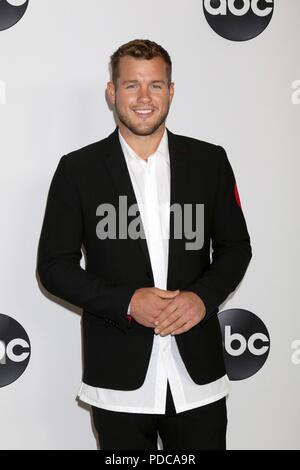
(185,311)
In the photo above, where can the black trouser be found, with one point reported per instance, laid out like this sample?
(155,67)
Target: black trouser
(202,428)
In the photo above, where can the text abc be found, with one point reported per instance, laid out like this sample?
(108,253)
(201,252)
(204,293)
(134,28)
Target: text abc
(8,351)
(226,5)
(243,343)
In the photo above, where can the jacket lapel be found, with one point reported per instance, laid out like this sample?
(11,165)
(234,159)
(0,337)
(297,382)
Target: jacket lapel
(118,171)
(177,151)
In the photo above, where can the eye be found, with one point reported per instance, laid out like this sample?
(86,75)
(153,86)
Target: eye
(156,86)
(130,86)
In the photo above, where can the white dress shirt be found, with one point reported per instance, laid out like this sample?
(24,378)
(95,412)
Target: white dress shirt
(151,183)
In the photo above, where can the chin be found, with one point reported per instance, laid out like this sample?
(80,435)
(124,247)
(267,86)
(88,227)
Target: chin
(145,131)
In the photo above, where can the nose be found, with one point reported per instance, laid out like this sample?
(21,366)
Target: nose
(144,95)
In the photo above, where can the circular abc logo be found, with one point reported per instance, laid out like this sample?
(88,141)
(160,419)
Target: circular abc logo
(11,11)
(14,350)
(246,343)
(238,20)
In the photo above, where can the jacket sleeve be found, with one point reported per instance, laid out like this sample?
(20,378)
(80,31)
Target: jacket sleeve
(59,255)
(231,248)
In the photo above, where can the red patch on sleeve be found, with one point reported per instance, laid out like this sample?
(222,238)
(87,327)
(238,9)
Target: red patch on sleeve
(237,197)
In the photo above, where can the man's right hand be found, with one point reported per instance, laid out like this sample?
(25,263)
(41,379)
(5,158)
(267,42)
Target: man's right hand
(147,303)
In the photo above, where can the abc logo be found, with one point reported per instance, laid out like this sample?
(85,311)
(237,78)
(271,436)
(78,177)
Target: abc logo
(246,343)
(238,20)
(14,350)
(11,11)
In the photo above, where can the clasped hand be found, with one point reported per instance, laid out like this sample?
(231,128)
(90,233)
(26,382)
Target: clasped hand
(167,311)
(180,315)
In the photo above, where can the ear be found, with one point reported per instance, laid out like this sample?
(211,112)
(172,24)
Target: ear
(111,92)
(171,90)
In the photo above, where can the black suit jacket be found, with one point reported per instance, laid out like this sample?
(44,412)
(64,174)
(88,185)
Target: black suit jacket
(116,352)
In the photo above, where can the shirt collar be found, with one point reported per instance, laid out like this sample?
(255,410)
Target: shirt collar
(162,150)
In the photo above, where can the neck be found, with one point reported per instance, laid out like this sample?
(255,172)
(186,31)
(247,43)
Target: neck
(143,145)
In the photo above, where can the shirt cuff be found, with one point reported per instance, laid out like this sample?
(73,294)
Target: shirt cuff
(129,310)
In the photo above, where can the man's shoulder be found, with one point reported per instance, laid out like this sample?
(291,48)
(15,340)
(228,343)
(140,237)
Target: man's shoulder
(89,157)
(88,154)
(200,152)
(192,142)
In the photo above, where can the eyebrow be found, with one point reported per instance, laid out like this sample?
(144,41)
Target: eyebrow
(136,81)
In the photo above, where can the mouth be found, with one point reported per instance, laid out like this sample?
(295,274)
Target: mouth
(144,112)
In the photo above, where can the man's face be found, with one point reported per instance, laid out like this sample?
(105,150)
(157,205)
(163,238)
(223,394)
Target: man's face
(142,95)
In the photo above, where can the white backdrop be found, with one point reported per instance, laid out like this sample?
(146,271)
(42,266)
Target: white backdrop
(54,66)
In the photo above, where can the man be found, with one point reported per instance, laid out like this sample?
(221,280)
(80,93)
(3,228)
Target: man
(152,347)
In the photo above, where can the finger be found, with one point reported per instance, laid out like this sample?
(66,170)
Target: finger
(177,324)
(166,294)
(164,317)
(183,329)
(180,312)
(166,311)
(176,316)
(159,306)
